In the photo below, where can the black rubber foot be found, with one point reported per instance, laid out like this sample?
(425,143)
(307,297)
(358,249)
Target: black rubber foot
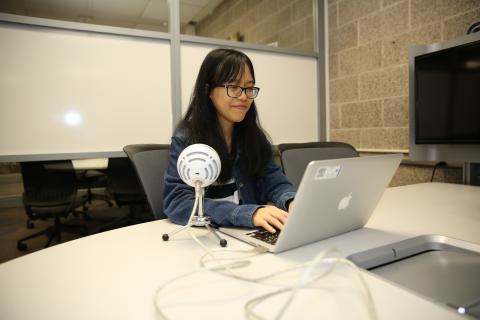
(165,237)
(30,224)
(21,246)
(223,243)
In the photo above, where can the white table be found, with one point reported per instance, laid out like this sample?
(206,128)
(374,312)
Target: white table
(114,275)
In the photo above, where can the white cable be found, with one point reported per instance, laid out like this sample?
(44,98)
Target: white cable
(170,281)
(159,289)
(202,268)
(218,268)
(308,278)
(304,280)
(211,254)
(231,273)
(163,286)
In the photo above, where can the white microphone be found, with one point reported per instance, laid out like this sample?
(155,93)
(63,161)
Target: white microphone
(199,165)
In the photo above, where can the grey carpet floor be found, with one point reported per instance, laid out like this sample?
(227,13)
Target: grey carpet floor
(13,227)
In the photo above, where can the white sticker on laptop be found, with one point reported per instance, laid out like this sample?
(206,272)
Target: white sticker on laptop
(329,172)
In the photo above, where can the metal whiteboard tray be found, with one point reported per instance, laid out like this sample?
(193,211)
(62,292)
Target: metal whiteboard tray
(443,269)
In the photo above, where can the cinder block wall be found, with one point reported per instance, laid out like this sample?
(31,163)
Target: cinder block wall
(287,22)
(368,62)
(368,70)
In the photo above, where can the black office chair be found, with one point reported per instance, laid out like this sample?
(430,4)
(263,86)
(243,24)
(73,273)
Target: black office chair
(123,186)
(150,162)
(50,192)
(93,179)
(294,157)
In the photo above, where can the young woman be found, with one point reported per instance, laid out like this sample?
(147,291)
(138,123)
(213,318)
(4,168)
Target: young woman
(223,115)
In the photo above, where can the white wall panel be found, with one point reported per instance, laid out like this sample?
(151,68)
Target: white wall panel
(80,92)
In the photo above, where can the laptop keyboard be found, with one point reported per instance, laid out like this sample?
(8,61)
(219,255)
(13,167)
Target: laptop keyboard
(264,235)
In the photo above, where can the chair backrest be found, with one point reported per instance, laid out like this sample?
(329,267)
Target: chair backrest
(122,182)
(295,157)
(48,183)
(150,162)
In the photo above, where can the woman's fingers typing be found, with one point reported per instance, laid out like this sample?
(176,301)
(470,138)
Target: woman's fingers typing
(270,218)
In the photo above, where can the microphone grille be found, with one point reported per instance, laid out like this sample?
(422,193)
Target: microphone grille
(199,163)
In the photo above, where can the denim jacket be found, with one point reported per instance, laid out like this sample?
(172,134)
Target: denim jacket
(178,197)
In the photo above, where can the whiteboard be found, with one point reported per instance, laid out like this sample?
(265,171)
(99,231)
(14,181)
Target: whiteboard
(78,93)
(287,104)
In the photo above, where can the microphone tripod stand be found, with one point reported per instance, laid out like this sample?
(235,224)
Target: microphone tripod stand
(197,217)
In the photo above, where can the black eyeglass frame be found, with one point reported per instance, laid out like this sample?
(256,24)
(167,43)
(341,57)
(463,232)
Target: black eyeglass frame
(244,89)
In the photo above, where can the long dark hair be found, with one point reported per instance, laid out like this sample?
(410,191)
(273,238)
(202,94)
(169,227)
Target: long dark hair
(201,122)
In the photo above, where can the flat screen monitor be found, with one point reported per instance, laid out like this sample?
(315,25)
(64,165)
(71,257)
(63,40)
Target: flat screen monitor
(445,101)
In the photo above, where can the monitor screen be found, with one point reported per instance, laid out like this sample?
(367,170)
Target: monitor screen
(447,96)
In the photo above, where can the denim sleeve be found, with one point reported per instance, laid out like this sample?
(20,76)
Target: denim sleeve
(276,187)
(179,197)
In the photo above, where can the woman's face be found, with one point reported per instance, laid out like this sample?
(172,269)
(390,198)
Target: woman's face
(231,110)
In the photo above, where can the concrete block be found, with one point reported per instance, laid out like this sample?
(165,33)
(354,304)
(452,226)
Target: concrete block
(344,89)
(333,16)
(384,138)
(395,49)
(343,37)
(395,112)
(350,10)
(334,116)
(428,11)
(292,35)
(361,114)
(333,66)
(458,26)
(389,82)
(390,21)
(301,9)
(386,3)
(360,59)
(351,136)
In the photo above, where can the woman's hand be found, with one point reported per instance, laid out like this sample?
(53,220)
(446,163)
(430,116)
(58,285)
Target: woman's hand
(270,218)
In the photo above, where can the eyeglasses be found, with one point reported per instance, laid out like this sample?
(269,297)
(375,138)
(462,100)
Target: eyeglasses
(234,91)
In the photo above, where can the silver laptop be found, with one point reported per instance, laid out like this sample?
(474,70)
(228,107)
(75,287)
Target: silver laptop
(334,197)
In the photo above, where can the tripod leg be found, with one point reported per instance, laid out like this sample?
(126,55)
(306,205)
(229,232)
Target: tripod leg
(167,236)
(223,242)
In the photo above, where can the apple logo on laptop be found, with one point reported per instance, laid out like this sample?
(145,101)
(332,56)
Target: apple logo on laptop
(345,202)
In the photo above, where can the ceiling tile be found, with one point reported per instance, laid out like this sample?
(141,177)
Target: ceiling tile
(70,7)
(118,8)
(157,10)
(198,3)
(188,11)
